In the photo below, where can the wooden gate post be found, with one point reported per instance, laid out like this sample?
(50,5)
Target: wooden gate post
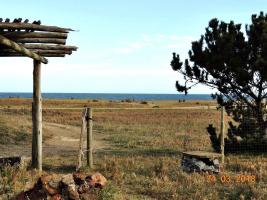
(37,117)
(222,134)
(83,129)
(90,137)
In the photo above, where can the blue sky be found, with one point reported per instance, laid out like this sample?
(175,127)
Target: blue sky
(124,46)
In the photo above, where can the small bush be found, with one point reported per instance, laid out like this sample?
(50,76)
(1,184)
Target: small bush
(144,102)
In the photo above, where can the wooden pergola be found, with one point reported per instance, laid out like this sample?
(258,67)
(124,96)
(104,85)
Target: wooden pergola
(21,38)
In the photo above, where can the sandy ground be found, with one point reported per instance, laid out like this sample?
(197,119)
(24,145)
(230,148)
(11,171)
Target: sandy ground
(58,139)
(66,138)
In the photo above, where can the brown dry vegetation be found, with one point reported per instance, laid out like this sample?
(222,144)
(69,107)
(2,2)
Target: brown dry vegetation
(141,151)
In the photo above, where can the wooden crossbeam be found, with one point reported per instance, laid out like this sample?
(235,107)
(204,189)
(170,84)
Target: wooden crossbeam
(23,34)
(20,49)
(49,47)
(32,27)
(21,55)
(40,40)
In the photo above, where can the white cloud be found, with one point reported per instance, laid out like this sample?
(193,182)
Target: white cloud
(157,41)
(130,48)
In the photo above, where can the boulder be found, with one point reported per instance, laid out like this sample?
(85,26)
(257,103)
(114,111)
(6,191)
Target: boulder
(193,164)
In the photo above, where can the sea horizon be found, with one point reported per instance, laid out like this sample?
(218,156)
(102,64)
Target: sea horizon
(109,96)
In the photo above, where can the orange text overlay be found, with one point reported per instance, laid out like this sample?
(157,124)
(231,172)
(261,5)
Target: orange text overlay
(231,178)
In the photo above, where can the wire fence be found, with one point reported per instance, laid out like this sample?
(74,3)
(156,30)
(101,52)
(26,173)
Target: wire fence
(132,132)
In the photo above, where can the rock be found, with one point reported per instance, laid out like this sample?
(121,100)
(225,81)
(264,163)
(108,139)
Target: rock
(70,187)
(79,178)
(193,164)
(84,188)
(67,179)
(50,183)
(96,180)
(216,162)
(57,197)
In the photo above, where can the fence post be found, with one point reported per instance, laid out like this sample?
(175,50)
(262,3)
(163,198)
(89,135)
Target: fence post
(222,133)
(80,153)
(90,137)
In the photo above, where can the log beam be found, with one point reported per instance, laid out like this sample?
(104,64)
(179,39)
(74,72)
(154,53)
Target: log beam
(38,51)
(18,48)
(49,47)
(13,35)
(20,55)
(40,40)
(27,26)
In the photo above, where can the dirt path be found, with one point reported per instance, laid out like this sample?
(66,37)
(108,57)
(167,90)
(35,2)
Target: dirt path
(61,136)
(58,139)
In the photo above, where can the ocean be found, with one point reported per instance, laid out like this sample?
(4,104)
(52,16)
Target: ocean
(109,96)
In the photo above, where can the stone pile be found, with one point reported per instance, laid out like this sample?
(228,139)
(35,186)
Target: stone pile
(67,187)
(195,164)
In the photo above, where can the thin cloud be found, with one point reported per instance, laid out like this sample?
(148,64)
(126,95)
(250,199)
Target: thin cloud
(130,48)
(156,41)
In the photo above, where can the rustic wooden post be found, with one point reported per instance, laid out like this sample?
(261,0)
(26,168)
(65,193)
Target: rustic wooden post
(90,138)
(222,134)
(37,117)
(80,153)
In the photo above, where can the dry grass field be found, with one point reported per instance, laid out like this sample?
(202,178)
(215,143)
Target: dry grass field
(139,151)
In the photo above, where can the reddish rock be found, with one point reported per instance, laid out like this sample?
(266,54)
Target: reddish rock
(84,188)
(57,197)
(70,187)
(79,178)
(50,183)
(96,180)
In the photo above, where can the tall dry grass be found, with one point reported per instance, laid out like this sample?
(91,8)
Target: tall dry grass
(142,155)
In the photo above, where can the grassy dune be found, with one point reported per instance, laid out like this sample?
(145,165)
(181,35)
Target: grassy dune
(141,151)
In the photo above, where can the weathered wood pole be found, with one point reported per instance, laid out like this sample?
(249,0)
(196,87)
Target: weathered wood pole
(90,137)
(83,129)
(222,133)
(37,117)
